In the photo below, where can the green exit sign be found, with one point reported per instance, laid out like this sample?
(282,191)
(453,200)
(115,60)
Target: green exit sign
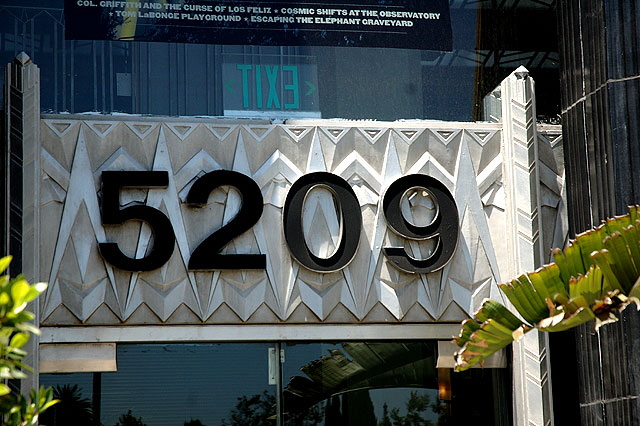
(259,86)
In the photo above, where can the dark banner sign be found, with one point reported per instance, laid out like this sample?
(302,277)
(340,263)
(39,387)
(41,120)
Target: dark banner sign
(408,24)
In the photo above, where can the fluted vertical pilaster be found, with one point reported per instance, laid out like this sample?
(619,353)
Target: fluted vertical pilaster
(532,387)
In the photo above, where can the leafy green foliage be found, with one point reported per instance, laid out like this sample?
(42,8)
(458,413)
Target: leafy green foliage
(594,278)
(15,329)
(21,411)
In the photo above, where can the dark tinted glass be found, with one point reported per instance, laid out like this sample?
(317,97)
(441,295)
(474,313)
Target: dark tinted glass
(490,40)
(168,385)
(322,384)
(384,384)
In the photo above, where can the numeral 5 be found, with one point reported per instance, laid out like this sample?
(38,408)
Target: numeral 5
(112,214)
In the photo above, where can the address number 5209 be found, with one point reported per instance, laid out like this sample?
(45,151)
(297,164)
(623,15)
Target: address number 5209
(443,228)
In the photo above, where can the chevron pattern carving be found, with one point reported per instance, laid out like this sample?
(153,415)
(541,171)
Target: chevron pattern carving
(535,176)
(84,289)
(22,109)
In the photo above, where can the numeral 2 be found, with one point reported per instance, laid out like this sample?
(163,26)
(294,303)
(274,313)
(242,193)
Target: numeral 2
(207,255)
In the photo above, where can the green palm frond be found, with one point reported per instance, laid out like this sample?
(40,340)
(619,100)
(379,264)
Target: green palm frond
(494,328)
(594,278)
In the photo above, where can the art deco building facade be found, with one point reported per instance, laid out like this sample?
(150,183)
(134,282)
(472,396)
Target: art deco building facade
(241,233)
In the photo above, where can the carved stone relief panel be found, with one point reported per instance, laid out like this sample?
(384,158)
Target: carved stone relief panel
(87,289)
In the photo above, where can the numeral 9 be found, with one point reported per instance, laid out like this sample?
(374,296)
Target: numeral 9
(444,227)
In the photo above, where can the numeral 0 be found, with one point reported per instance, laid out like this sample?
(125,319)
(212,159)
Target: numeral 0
(351,222)
(444,228)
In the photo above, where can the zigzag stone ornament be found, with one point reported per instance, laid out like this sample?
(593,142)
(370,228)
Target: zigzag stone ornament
(307,238)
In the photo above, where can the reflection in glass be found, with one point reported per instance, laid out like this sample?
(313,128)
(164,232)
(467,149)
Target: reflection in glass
(255,410)
(174,384)
(324,384)
(73,407)
(384,383)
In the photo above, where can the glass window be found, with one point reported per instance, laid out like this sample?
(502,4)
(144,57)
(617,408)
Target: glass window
(384,384)
(490,40)
(302,384)
(170,385)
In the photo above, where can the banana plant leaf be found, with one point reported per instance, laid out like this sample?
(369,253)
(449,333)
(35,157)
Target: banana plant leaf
(594,278)
(495,327)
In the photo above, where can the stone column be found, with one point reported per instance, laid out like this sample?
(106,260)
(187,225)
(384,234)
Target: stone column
(22,108)
(532,394)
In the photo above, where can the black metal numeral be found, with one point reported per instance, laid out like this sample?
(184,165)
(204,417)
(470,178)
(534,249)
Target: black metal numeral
(207,255)
(444,228)
(351,222)
(112,214)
